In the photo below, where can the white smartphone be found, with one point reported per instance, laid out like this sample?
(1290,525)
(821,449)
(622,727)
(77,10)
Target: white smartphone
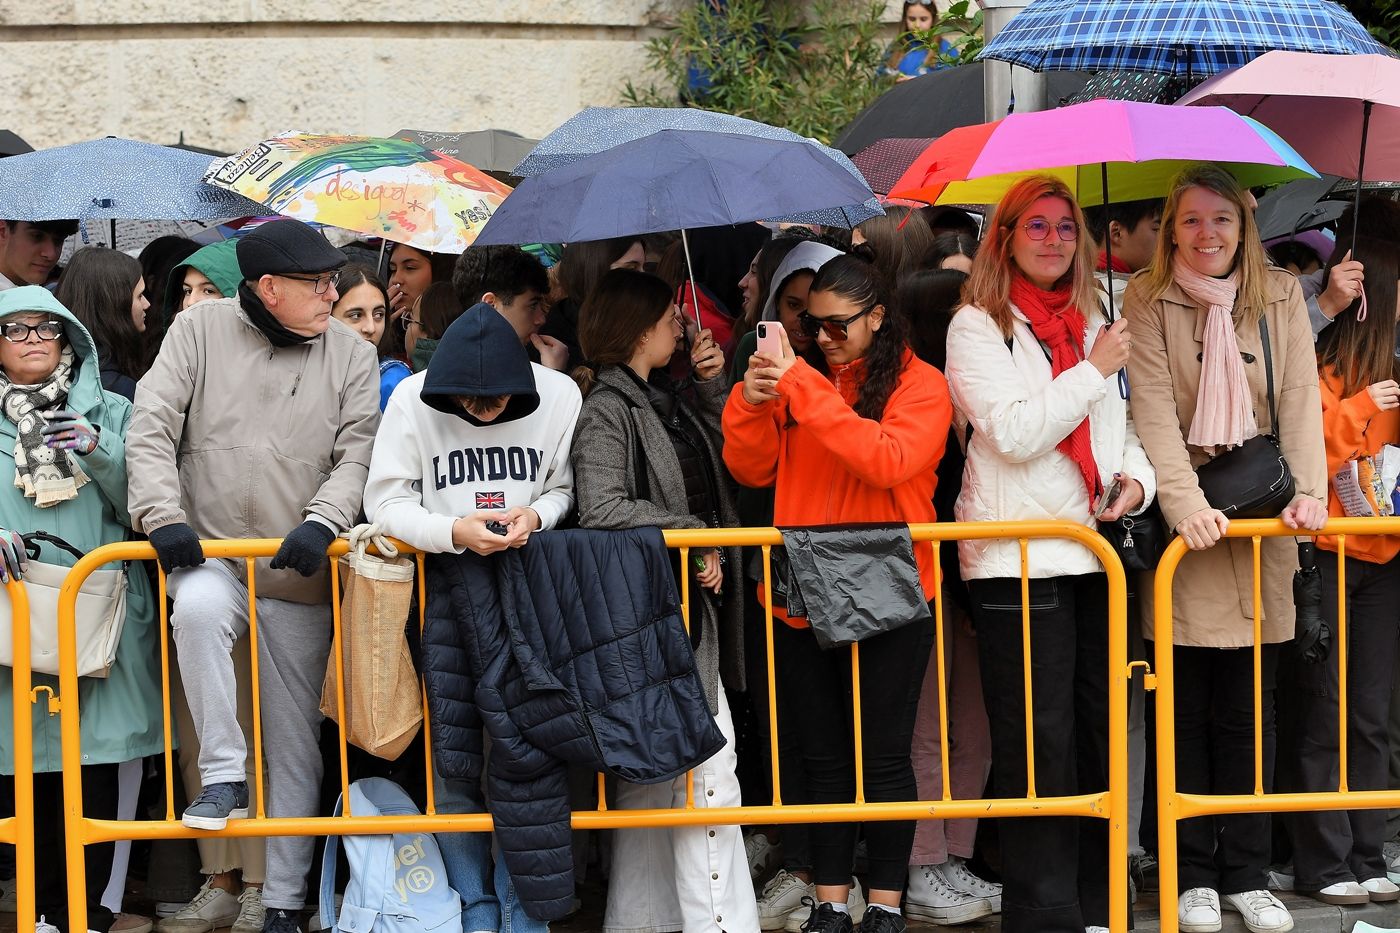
(769,343)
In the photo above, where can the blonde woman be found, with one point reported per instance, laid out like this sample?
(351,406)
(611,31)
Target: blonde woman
(1200,387)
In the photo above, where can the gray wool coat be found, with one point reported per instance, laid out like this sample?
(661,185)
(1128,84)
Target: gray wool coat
(605,484)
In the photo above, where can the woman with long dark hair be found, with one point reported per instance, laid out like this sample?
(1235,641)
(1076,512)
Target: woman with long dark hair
(106,292)
(1034,375)
(852,431)
(580,269)
(1337,855)
(644,455)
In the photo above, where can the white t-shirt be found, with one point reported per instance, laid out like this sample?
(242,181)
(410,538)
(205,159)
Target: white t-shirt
(430,468)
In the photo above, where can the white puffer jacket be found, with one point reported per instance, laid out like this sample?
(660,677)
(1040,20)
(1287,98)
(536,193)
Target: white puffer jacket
(1018,414)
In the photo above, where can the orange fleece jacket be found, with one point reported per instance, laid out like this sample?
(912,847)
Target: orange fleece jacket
(1354,427)
(831,466)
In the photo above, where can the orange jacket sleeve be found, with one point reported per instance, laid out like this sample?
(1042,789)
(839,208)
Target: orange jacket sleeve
(886,453)
(1345,422)
(751,440)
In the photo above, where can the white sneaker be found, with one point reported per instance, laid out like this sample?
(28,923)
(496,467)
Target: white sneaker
(855,902)
(251,913)
(40,926)
(1381,890)
(1096,930)
(930,897)
(1261,911)
(1198,911)
(781,897)
(762,852)
(211,909)
(1343,893)
(960,878)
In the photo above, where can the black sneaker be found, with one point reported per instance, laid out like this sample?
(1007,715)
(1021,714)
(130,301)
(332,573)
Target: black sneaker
(216,805)
(281,921)
(825,919)
(882,921)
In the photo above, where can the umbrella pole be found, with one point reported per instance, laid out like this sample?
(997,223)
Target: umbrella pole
(1107,241)
(379,264)
(1360,175)
(113,221)
(690,273)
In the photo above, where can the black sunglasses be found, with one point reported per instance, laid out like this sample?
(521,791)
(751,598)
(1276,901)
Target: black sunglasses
(835,327)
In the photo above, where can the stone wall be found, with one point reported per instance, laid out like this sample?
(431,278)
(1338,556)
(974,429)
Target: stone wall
(226,72)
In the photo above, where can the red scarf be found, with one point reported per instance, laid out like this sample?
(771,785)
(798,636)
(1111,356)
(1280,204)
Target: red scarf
(1118,265)
(1060,326)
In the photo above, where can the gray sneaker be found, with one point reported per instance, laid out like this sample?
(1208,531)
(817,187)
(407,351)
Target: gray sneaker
(211,909)
(216,805)
(251,915)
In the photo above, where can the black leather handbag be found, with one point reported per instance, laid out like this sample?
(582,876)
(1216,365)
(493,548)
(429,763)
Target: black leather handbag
(1138,539)
(1252,480)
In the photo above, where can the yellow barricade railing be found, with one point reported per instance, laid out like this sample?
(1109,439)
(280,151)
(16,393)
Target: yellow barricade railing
(1173,806)
(18,830)
(1111,805)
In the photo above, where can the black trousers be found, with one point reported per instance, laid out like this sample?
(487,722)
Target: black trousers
(1345,845)
(1054,869)
(1215,755)
(51,874)
(891,675)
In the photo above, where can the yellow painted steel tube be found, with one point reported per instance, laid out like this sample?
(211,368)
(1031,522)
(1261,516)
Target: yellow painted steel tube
(19,830)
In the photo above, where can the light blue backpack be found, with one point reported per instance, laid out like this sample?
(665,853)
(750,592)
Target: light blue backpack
(398,883)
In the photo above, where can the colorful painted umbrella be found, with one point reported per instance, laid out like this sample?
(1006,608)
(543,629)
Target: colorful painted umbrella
(1132,148)
(1342,114)
(1190,37)
(389,188)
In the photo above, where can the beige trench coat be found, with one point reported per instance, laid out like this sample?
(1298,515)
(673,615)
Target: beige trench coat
(1213,592)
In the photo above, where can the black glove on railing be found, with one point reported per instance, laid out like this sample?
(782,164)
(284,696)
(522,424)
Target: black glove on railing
(1310,632)
(304,550)
(176,546)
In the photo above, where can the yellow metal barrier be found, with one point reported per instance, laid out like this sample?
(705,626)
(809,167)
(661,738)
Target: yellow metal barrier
(1111,804)
(18,830)
(1173,806)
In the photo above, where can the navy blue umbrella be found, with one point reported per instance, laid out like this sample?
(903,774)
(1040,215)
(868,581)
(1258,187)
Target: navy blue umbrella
(597,129)
(672,180)
(114,179)
(1191,37)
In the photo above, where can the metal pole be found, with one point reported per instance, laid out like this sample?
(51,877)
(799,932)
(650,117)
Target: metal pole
(690,273)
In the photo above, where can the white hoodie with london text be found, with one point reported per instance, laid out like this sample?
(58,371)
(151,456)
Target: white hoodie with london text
(430,468)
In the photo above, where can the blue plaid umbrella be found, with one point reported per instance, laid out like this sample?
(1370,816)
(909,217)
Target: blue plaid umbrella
(1192,37)
(597,129)
(114,179)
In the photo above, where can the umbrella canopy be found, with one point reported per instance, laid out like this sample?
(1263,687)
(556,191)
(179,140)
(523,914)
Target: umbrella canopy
(1193,37)
(600,128)
(113,179)
(1320,103)
(488,150)
(1297,206)
(11,144)
(884,162)
(933,104)
(387,188)
(672,180)
(1136,147)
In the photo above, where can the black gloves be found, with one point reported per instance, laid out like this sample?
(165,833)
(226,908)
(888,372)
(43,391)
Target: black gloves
(304,550)
(176,546)
(1313,638)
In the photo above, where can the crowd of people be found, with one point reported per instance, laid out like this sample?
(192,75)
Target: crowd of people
(922,367)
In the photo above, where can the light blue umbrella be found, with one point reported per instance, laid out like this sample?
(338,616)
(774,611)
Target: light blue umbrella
(114,179)
(1190,37)
(598,129)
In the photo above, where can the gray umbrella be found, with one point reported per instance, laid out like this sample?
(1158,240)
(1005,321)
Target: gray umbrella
(11,144)
(1297,206)
(488,150)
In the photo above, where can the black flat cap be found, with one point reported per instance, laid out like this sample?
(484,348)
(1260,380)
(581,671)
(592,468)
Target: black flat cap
(286,247)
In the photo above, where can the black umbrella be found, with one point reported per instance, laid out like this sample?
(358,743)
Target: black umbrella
(11,144)
(935,103)
(1297,206)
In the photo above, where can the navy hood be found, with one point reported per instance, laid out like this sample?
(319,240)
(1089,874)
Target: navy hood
(480,355)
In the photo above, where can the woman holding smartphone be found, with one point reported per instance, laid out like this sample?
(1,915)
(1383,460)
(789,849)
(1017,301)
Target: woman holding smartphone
(850,431)
(1033,370)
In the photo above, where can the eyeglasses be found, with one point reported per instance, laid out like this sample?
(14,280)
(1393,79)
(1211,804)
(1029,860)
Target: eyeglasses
(15,332)
(835,328)
(1038,229)
(405,320)
(322,283)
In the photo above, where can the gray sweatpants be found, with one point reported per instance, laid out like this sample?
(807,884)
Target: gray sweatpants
(211,613)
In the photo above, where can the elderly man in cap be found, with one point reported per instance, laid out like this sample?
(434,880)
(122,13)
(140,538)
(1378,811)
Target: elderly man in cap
(257,421)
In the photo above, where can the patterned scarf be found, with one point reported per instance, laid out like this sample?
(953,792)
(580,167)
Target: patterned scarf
(1060,326)
(47,475)
(1224,405)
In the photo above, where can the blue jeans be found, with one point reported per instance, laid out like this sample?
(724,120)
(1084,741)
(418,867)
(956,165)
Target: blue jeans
(489,901)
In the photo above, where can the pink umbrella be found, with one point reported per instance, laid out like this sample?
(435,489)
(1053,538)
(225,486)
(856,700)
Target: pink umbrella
(1341,112)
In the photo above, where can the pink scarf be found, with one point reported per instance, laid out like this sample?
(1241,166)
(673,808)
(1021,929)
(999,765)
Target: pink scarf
(1224,404)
